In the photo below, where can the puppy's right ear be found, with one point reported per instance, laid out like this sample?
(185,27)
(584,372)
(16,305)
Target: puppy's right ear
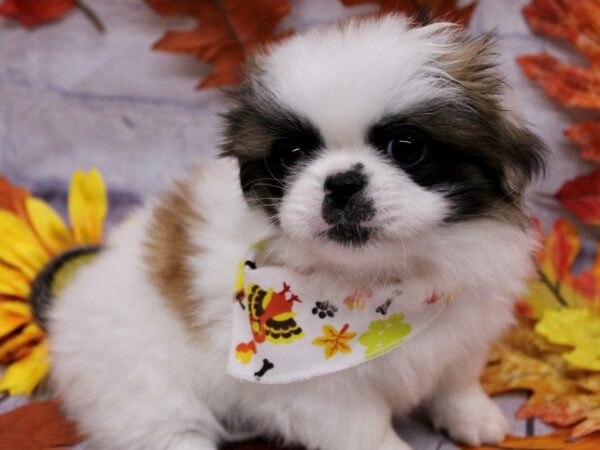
(472,65)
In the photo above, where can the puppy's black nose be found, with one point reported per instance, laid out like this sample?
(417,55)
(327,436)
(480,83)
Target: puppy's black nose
(342,187)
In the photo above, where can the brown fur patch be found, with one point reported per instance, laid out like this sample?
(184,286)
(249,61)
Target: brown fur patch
(170,247)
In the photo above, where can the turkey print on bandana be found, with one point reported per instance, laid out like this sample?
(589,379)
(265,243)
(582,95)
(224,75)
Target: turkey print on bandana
(289,326)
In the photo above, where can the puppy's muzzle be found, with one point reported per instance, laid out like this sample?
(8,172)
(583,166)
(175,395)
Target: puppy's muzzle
(345,199)
(346,206)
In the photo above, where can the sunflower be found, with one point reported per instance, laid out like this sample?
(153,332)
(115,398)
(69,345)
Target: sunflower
(38,253)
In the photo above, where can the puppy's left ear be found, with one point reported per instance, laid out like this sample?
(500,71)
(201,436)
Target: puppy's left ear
(471,64)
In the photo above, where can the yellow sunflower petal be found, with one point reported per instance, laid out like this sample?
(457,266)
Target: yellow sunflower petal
(12,316)
(49,226)
(19,246)
(22,377)
(87,206)
(13,283)
(31,332)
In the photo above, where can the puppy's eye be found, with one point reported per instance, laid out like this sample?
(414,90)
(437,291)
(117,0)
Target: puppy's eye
(287,150)
(407,148)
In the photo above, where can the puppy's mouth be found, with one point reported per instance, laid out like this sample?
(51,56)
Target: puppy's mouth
(350,235)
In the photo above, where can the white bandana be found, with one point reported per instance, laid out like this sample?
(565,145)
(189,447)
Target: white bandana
(288,326)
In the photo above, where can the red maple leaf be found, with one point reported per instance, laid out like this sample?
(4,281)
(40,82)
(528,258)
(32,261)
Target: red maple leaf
(32,13)
(227,31)
(428,10)
(581,196)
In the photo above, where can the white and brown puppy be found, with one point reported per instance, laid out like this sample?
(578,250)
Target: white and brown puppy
(368,152)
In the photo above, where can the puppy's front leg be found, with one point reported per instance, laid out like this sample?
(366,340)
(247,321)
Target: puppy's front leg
(362,426)
(464,410)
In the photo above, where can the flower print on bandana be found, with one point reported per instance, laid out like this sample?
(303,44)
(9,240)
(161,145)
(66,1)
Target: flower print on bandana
(384,334)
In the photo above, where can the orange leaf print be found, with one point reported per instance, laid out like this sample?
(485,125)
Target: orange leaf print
(335,341)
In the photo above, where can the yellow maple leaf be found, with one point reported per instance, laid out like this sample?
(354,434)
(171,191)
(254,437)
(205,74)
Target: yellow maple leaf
(579,328)
(524,360)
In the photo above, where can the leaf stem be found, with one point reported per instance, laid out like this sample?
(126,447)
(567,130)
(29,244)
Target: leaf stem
(555,289)
(221,7)
(91,15)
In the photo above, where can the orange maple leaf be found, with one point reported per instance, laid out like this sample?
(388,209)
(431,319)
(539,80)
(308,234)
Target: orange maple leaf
(531,360)
(37,425)
(578,22)
(228,30)
(426,10)
(557,285)
(558,440)
(574,87)
(587,136)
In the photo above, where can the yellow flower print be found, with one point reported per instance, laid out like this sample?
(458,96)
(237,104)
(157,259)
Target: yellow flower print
(383,334)
(32,237)
(335,341)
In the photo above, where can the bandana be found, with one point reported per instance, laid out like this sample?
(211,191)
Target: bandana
(289,326)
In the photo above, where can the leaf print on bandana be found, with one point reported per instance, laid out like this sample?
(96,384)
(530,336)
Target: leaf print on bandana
(335,341)
(384,334)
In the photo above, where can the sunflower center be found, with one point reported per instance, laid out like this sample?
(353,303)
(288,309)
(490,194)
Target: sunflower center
(57,274)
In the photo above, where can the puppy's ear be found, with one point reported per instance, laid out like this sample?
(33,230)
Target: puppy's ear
(471,65)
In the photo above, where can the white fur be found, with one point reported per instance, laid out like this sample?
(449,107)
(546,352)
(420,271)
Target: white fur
(136,378)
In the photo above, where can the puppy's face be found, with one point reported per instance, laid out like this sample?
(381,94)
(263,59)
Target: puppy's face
(376,132)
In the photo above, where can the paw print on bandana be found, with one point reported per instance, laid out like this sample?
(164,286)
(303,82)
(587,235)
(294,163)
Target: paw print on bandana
(384,334)
(324,309)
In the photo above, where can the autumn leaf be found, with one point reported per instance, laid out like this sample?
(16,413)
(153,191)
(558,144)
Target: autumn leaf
(587,136)
(426,9)
(524,360)
(578,328)
(577,21)
(552,352)
(558,440)
(574,87)
(228,30)
(12,198)
(581,196)
(32,13)
(39,426)
(556,286)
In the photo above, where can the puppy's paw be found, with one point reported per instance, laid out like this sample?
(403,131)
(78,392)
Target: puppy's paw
(470,417)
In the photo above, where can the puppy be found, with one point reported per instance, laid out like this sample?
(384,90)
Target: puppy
(363,155)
